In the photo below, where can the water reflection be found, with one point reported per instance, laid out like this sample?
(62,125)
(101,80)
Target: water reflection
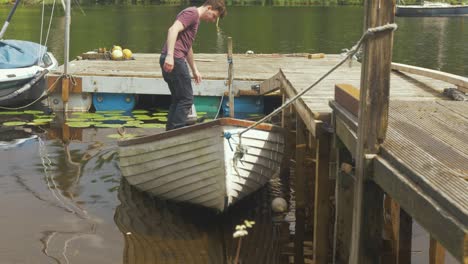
(64,202)
(157,231)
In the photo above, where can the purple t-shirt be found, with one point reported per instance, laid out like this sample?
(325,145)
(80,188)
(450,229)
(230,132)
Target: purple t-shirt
(189,18)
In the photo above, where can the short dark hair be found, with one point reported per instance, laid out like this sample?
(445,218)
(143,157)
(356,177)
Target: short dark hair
(217,5)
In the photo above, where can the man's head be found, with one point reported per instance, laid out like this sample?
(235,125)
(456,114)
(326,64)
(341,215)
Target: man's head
(214,9)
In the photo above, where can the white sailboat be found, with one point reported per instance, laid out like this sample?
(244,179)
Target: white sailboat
(23,66)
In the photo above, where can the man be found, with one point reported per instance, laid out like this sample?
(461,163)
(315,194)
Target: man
(177,52)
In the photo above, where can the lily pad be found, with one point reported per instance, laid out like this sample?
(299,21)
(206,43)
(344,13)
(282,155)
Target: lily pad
(34,112)
(162,119)
(120,117)
(143,117)
(139,111)
(36,124)
(77,119)
(43,120)
(151,125)
(14,123)
(160,114)
(79,124)
(11,113)
(109,125)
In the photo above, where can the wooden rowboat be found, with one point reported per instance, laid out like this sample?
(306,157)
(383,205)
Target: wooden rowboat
(196,164)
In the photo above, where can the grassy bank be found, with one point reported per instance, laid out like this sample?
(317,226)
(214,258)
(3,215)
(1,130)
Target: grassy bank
(228,2)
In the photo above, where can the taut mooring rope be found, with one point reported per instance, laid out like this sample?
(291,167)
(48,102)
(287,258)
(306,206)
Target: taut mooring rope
(369,32)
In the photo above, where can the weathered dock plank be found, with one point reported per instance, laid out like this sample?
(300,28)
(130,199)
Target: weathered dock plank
(422,164)
(143,76)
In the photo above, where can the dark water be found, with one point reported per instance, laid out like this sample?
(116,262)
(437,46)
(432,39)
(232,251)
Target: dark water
(436,43)
(63,199)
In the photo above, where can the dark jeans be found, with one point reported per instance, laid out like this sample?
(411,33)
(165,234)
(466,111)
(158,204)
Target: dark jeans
(180,85)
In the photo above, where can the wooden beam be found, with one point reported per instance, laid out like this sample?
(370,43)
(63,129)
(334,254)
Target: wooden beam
(399,230)
(304,112)
(436,252)
(270,85)
(422,208)
(287,117)
(55,85)
(373,122)
(299,186)
(344,205)
(230,77)
(460,81)
(347,96)
(346,135)
(405,237)
(322,200)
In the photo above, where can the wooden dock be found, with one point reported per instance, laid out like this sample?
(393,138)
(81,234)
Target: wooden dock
(143,75)
(421,165)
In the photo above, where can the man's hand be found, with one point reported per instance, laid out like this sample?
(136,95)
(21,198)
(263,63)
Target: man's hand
(169,63)
(197,76)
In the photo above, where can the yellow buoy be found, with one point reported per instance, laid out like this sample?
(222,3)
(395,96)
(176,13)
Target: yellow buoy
(127,54)
(115,47)
(117,54)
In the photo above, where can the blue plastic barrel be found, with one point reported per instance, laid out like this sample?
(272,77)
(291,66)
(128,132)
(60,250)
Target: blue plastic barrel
(244,106)
(113,101)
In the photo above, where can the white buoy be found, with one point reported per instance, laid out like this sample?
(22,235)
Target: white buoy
(279,205)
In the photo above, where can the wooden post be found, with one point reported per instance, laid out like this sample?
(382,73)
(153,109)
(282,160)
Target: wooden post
(344,205)
(322,200)
(65,89)
(286,123)
(436,252)
(230,77)
(399,230)
(373,121)
(404,237)
(299,186)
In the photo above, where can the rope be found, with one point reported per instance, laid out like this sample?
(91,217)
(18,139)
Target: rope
(349,54)
(42,97)
(48,29)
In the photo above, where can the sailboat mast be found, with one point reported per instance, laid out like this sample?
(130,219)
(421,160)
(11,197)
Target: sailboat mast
(7,22)
(66,52)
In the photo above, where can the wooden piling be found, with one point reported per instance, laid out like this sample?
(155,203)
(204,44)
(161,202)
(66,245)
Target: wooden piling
(436,252)
(372,126)
(299,186)
(230,77)
(322,200)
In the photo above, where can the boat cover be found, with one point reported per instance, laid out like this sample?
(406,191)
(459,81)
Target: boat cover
(20,53)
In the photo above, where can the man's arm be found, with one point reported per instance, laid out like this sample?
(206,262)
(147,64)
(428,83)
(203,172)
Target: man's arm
(191,61)
(172,34)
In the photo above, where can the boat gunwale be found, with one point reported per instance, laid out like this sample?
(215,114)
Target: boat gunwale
(188,129)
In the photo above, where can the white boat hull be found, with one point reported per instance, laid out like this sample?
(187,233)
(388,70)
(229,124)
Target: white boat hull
(196,164)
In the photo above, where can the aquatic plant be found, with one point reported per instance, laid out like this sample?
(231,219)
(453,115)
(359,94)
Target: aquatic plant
(33,112)
(151,125)
(139,111)
(78,124)
(11,113)
(14,123)
(109,125)
(241,231)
